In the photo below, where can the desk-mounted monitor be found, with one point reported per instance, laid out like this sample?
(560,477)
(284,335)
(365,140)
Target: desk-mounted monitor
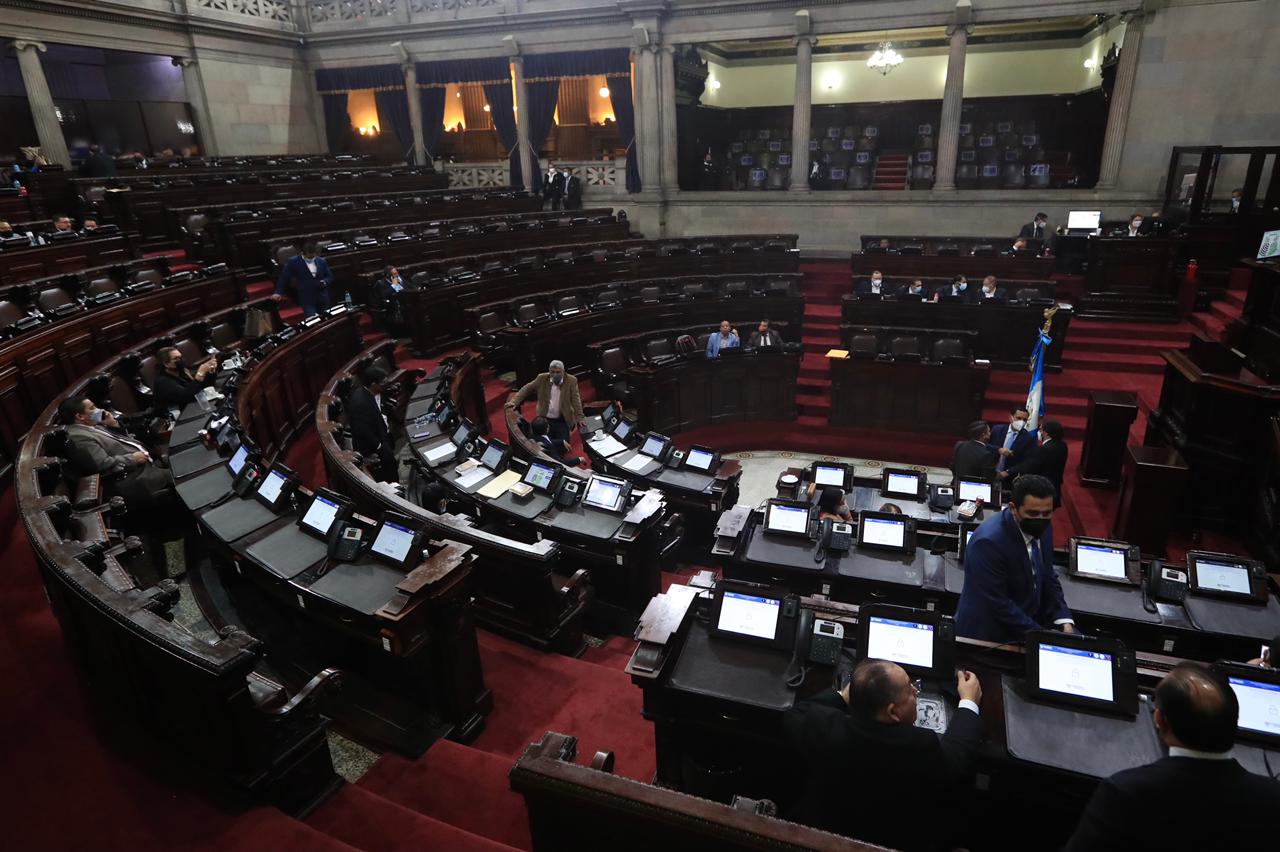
(903,483)
(1270,248)
(1257,691)
(607,494)
(1101,559)
(326,509)
(494,455)
(787,517)
(701,459)
(920,641)
(963,536)
(1075,670)
(623,429)
(655,446)
(748,613)
(276,488)
(396,541)
(541,476)
(886,531)
(1222,575)
(1084,220)
(242,456)
(829,473)
(975,490)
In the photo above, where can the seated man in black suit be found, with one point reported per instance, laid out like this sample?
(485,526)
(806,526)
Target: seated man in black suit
(990,289)
(61,228)
(869,773)
(370,436)
(764,336)
(557,448)
(384,300)
(1198,797)
(974,457)
(1037,228)
(876,286)
(175,386)
(1047,459)
(914,292)
(957,289)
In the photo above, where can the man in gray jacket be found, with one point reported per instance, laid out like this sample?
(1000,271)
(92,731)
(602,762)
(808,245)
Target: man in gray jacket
(97,446)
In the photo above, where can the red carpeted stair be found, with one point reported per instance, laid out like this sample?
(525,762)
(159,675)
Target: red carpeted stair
(891,172)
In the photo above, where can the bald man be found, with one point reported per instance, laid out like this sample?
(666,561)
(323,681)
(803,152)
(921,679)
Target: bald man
(1198,797)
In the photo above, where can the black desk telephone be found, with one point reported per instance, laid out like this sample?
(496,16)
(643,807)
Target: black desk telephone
(247,480)
(568,492)
(816,641)
(834,536)
(1166,584)
(345,542)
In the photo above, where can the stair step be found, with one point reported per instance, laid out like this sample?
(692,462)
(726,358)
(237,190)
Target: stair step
(1226,311)
(1123,348)
(370,822)
(1103,360)
(809,421)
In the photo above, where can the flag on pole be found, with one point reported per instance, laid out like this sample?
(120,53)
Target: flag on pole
(1035,395)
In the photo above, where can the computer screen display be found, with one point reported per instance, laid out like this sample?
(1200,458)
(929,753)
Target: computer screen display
(236,463)
(461,434)
(445,412)
(828,475)
(604,494)
(886,533)
(393,541)
(271,486)
(539,475)
(749,615)
(788,519)
(623,429)
(975,489)
(321,514)
(1101,560)
(699,459)
(1222,577)
(493,454)
(653,446)
(908,643)
(610,412)
(907,484)
(1259,705)
(1270,245)
(1084,220)
(1072,671)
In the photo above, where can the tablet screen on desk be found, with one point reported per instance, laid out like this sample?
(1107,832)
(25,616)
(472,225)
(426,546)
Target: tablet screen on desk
(236,463)
(1259,705)
(272,487)
(1101,560)
(907,643)
(539,476)
(321,514)
(604,494)
(1076,672)
(883,532)
(461,434)
(901,483)
(824,474)
(394,542)
(975,489)
(623,429)
(785,518)
(654,445)
(494,454)
(699,459)
(749,615)
(1217,576)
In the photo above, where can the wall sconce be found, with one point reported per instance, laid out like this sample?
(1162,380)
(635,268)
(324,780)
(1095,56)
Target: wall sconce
(604,91)
(713,84)
(1091,63)
(371,130)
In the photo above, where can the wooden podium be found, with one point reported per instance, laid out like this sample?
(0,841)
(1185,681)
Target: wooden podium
(1111,413)
(1149,496)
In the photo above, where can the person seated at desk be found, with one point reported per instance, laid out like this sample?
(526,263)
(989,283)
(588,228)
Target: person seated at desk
(1236,195)
(1048,458)
(557,448)
(990,289)
(763,337)
(869,773)
(312,276)
(6,230)
(1010,586)
(914,292)
(1036,228)
(957,289)
(1011,440)
(558,400)
(833,505)
(890,509)
(370,436)
(725,338)
(88,225)
(1199,796)
(874,287)
(384,301)
(61,225)
(1135,227)
(175,386)
(98,445)
(974,457)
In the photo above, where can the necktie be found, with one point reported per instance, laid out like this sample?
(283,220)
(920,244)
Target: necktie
(1035,562)
(1008,444)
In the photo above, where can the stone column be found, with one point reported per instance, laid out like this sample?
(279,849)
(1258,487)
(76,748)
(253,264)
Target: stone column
(415,112)
(527,164)
(670,143)
(43,113)
(952,101)
(649,117)
(802,115)
(193,80)
(1121,96)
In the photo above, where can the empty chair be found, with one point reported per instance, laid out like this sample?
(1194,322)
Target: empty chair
(1038,175)
(567,306)
(195,224)
(672,249)
(922,176)
(778,177)
(147,370)
(707,248)
(905,348)
(283,254)
(984,250)
(149,277)
(966,175)
(124,398)
(858,177)
(225,337)
(1031,294)
(1014,176)
(863,346)
(57,302)
(650,294)
(530,312)
(614,361)
(947,350)
(702,340)
(697,290)
(686,345)
(914,249)
(607,298)
(191,351)
(490,322)
(948,249)
(780,287)
(735,289)
(660,347)
(102,290)
(11,318)
(610,378)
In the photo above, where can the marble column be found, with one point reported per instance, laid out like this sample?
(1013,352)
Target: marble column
(40,100)
(670,142)
(802,115)
(196,98)
(527,164)
(648,117)
(415,111)
(952,101)
(1121,97)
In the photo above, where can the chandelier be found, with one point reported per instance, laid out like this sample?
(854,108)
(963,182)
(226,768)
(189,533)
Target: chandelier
(885,59)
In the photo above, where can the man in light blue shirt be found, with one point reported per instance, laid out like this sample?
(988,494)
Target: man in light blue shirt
(725,338)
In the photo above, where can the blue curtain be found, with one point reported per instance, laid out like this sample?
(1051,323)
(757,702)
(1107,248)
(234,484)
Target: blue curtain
(333,80)
(501,110)
(542,110)
(432,100)
(337,124)
(625,115)
(393,109)
(443,72)
(580,63)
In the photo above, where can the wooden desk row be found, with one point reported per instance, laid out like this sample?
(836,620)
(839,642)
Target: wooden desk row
(24,294)
(19,263)
(932,245)
(974,267)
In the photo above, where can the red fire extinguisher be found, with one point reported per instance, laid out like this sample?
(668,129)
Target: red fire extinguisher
(1192,269)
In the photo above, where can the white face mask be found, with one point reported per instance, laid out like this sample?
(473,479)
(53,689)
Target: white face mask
(1018,425)
(96,415)
(988,290)
(875,281)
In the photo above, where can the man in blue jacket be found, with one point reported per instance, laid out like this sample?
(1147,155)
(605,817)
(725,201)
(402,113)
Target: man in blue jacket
(313,277)
(1009,583)
(725,338)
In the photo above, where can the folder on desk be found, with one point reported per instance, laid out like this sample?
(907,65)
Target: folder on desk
(438,453)
(500,485)
(637,463)
(837,353)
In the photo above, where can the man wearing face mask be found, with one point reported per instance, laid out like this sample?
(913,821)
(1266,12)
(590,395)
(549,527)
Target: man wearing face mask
(957,289)
(558,400)
(1135,226)
(914,291)
(991,290)
(1047,459)
(1010,586)
(874,287)
(97,446)
(1011,440)
(175,386)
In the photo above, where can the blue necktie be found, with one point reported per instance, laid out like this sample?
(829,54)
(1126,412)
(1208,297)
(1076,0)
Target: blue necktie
(1035,563)
(1009,438)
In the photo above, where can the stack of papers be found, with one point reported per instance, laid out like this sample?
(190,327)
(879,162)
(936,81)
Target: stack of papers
(438,453)
(475,475)
(644,507)
(499,485)
(607,445)
(637,463)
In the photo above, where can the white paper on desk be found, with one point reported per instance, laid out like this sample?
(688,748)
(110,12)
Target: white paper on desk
(608,446)
(637,463)
(644,507)
(471,477)
(499,485)
(665,612)
(439,453)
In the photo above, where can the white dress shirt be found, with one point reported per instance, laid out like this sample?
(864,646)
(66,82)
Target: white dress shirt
(1031,559)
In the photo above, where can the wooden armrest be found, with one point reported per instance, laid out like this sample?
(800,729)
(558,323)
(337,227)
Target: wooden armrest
(309,695)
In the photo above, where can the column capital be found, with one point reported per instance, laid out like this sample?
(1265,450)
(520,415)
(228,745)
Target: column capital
(182,61)
(954,28)
(21,44)
(811,39)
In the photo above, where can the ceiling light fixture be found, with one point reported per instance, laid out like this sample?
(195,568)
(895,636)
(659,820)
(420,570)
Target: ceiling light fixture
(885,59)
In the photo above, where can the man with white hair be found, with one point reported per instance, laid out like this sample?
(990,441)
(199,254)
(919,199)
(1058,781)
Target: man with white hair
(558,400)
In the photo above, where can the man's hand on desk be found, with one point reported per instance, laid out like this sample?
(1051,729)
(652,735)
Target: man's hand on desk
(969,687)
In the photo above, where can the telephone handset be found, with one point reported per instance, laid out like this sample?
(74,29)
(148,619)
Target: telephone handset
(246,482)
(833,536)
(796,669)
(1166,584)
(345,542)
(568,492)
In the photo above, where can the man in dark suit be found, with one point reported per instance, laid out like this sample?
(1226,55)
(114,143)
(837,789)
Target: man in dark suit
(1198,797)
(1036,228)
(974,458)
(957,289)
(1011,440)
(312,276)
(875,286)
(552,187)
(764,336)
(175,386)
(370,436)
(384,302)
(572,191)
(990,289)
(557,448)
(1009,583)
(869,773)
(1047,459)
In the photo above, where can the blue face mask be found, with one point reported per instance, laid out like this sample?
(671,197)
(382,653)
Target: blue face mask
(963,285)
(96,415)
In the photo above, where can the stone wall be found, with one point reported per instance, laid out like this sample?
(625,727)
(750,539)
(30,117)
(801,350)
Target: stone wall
(260,108)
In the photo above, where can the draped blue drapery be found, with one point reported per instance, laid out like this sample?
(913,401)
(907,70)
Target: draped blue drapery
(333,80)
(442,72)
(581,63)
(337,124)
(501,110)
(393,110)
(541,112)
(432,100)
(624,114)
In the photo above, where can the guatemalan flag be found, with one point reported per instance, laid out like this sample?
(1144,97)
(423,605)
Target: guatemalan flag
(1035,396)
